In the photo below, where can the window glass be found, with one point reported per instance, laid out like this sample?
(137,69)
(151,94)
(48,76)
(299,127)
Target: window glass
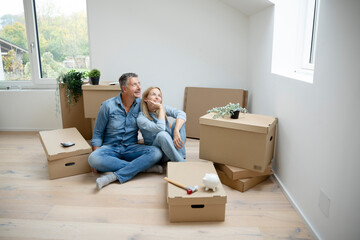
(15,63)
(62,36)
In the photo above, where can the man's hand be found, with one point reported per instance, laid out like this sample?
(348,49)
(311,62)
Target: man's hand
(178,143)
(94,148)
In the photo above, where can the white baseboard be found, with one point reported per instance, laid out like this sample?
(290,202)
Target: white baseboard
(298,210)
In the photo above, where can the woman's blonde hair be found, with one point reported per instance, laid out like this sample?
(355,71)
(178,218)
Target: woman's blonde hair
(144,107)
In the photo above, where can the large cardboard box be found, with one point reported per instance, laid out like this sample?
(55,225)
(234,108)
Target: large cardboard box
(198,100)
(235,173)
(73,116)
(247,142)
(65,161)
(241,185)
(201,206)
(95,95)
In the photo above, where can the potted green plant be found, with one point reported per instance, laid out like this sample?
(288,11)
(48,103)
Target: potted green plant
(72,82)
(94,76)
(231,109)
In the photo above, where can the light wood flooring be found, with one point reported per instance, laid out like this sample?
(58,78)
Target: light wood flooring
(34,207)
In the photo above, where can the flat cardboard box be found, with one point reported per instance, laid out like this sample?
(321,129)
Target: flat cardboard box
(241,185)
(235,173)
(95,95)
(247,142)
(201,206)
(65,161)
(197,101)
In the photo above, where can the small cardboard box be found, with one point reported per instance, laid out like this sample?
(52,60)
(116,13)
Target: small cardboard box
(246,142)
(235,173)
(241,185)
(65,161)
(201,206)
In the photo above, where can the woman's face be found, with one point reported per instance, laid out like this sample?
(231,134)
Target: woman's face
(154,95)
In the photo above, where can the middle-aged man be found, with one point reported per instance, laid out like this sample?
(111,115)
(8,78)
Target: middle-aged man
(115,142)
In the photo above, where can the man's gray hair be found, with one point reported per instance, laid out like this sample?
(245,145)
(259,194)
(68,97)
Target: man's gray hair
(123,80)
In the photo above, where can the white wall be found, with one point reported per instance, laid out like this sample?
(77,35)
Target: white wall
(28,110)
(318,134)
(170,43)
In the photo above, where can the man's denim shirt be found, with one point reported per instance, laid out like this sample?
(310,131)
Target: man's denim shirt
(149,129)
(113,125)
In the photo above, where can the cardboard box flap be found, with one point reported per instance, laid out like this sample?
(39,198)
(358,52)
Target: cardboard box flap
(51,141)
(246,122)
(191,174)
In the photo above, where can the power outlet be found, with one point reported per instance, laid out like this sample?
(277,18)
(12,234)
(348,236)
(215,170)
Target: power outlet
(324,203)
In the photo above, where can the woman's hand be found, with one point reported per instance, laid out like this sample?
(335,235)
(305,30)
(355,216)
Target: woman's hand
(178,143)
(153,105)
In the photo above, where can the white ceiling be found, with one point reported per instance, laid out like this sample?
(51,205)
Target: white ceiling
(249,7)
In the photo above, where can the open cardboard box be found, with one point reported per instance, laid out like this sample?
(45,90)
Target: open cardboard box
(235,173)
(241,185)
(201,206)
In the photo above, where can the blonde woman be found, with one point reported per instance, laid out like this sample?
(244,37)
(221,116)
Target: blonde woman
(156,129)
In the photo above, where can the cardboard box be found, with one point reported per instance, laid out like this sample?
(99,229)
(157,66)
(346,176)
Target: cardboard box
(235,173)
(197,101)
(65,161)
(241,185)
(201,206)
(95,95)
(73,116)
(247,142)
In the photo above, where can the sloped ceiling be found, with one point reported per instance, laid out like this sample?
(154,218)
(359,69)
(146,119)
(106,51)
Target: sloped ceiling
(249,7)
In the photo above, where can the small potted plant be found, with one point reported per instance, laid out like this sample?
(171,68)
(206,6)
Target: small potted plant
(231,109)
(94,76)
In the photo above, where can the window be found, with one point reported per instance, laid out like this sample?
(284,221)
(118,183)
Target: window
(294,43)
(13,42)
(40,39)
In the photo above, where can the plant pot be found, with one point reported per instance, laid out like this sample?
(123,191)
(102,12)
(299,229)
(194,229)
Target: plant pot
(94,80)
(234,114)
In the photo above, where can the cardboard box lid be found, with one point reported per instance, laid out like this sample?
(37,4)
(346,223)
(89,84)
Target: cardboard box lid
(105,86)
(54,150)
(246,122)
(191,174)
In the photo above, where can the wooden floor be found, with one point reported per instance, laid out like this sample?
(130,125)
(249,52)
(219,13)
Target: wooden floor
(33,207)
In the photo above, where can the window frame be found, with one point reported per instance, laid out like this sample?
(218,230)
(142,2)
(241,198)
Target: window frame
(36,82)
(310,35)
(293,37)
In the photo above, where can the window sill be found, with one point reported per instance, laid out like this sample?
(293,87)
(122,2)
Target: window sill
(298,74)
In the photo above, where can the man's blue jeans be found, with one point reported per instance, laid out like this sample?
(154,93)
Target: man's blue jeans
(124,161)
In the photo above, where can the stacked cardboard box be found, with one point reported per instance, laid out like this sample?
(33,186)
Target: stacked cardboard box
(242,148)
(239,178)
